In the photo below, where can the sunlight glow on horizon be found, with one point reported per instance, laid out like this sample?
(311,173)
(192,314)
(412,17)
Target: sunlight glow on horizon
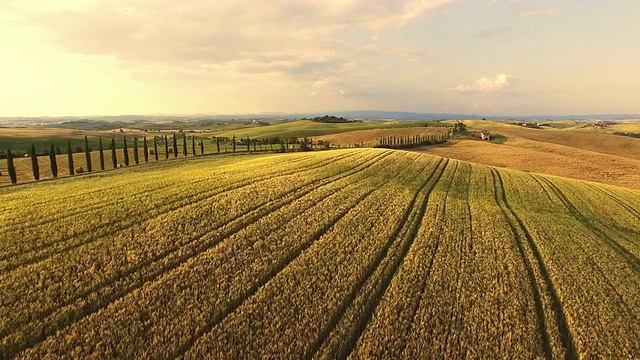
(75,58)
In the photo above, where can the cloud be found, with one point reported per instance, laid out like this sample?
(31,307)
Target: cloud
(538,12)
(203,40)
(500,83)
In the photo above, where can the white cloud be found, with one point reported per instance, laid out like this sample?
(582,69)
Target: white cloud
(538,12)
(225,40)
(500,83)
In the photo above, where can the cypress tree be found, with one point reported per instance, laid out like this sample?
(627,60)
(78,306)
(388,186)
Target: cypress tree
(155,148)
(101,154)
(136,158)
(87,154)
(201,146)
(166,147)
(125,151)
(34,163)
(52,161)
(175,146)
(114,157)
(193,145)
(11,168)
(184,144)
(70,158)
(146,150)
(218,144)
(234,143)
(248,144)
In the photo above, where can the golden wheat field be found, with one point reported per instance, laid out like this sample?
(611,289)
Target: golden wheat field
(356,253)
(588,140)
(604,158)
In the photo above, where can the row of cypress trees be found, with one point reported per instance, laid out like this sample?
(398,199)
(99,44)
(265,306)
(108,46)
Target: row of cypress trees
(114,158)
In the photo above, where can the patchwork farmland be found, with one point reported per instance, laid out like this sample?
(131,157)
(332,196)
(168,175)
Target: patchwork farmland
(359,253)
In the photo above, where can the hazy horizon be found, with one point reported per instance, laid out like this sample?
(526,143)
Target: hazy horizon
(500,58)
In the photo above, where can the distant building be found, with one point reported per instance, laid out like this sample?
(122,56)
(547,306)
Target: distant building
(483,134)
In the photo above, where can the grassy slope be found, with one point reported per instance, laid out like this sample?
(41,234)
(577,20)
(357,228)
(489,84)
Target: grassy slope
(372,137)
(380,253)
(308,128)
(20,139)
(585,139)
(578,154)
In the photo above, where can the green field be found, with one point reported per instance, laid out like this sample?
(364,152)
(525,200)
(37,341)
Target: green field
(308,128)
(361,253)
(24,170)
(19,140)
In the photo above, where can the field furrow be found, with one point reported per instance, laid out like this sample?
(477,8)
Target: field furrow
(77,231)
(226,254)
(149,262)
(354,253)
(348,324)
(310,306)
(385,334)
(440,314)
(576,257)
(552,323)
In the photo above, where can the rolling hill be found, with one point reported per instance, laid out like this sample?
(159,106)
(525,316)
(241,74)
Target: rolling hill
(579,154)
(360,253)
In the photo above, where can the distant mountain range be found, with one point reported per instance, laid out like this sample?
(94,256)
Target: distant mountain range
(360,115)
(401,115)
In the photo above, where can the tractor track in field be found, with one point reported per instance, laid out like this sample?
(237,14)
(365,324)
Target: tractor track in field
(423,286)
(109,189)
(269,275)
(518,227)
(630,257)
(74,315)
(160,190)
(395,259)
(620,201)
(94,234)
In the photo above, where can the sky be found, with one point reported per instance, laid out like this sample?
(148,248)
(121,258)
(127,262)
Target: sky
(484,57)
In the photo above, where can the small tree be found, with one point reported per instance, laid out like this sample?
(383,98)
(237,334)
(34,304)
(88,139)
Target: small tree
(70,158)
(101,153)
(175,146)
(155,148)
(114,156)
(234,143)
(52,161)
(11,168)
(218,144)
(125,151)
(34,163)
(136,158)
(146,150)
(248,144)
(193,145)
(184,144)
(201,146)
(87,154)
(304,146)
(166,147)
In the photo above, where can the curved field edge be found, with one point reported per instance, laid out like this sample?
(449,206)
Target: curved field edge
(355,253)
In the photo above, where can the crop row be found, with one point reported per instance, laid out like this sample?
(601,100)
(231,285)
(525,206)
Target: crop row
(357,253)
(217,237)
(130,257)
